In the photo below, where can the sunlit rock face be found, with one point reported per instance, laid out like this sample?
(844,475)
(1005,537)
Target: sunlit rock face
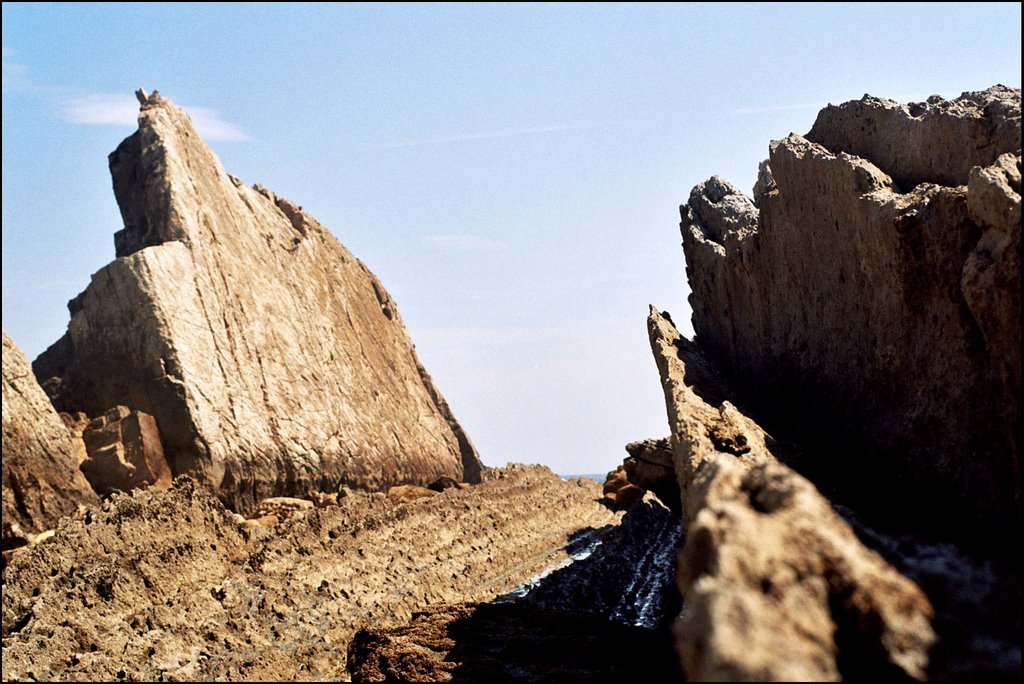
(867,303)
(41,480)
(272,360)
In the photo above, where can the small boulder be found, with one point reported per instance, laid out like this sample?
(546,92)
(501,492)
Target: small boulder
(282,507)
(401,494)
(124,452)
(619,493)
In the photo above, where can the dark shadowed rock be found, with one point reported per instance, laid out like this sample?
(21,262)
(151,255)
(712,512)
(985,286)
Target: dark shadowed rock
(510,643)
(767,567)
(273,361)
(869,306)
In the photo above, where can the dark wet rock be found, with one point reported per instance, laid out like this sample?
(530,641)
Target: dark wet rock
(603,615)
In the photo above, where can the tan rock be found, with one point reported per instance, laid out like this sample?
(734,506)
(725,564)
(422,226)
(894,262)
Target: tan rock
(124,452)
(41,480)
(166,584)
(650,467)
(873,315)
(775,585)
(76,423)
(619,492)
(400,494)
(283,507)
(271,358)
(938,141)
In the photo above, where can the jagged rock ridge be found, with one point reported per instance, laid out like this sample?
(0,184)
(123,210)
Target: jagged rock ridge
(41,480)
(869,304)
(775,585)
(272,360)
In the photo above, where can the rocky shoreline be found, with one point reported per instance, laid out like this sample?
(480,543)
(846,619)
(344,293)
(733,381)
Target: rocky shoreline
(252,477)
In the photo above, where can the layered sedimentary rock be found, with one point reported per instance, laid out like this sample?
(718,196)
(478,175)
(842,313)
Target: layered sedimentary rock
(168,584)
(603,617)
(775,585)
(650,466)
(41,480)
(272,360)
(869,305)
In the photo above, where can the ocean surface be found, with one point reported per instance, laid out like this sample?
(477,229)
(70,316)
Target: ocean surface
(600,477)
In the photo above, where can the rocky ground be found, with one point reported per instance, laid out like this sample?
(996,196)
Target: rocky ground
(607,613)
(169,585)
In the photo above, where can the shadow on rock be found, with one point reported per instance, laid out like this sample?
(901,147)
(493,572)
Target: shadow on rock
(604,612)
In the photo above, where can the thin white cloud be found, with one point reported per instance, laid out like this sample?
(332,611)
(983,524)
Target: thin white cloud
(465,243)
(13,73)
(99,109)
(483,135)
(212,127)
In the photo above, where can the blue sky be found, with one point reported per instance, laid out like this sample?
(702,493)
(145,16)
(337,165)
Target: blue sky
(512,173)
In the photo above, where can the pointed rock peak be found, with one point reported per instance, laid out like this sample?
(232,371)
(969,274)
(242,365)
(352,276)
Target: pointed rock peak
(271,359)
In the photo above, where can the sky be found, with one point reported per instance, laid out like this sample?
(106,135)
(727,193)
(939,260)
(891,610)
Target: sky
(512,173)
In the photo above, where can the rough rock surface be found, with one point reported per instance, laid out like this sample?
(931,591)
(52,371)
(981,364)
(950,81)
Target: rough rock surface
(618,492)
(603,616)
(937,141)
(166,584)
(510,643)
(869,305)
(767,567)
(650,466)
(41,480)
(273,361)
(124,452)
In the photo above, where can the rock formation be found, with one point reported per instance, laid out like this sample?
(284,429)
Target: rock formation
(41,480)
(650,466)
(618,492)
(124,452)
(868,306)
(602,617)
(775,584)
(167,584)
(271,359)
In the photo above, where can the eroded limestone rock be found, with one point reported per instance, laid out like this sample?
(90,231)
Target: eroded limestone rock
(650,466)
(167,583)
(775,584)
(937,141)
(272,360)
(41,480)
(869,306)
(618,492)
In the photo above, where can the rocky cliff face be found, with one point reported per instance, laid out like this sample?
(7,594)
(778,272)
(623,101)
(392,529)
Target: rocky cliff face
(865,308)
(271,359)
(869,304)
(41,480)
